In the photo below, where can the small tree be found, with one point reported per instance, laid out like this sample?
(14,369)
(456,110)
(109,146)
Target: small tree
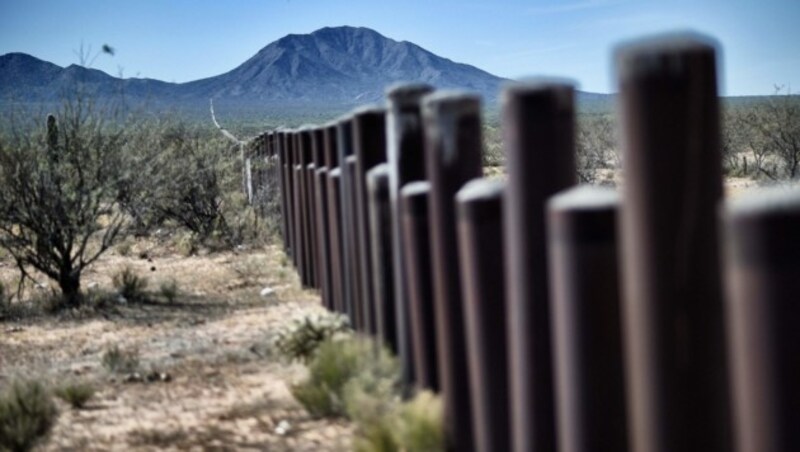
(595,146)
(773,128)
(58,212)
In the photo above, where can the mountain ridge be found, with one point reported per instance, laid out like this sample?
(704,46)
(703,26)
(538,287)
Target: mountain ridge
(332,66)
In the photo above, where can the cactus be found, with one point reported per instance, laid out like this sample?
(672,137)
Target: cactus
(52,137)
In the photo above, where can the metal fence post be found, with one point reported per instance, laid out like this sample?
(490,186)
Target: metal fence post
(356,306)
(480,240)
(369,141)
(380,222)
(280,151)
(538,121)
(673,314)
(587,330)
(302,209)
(453,156)
(337,254)
(334,217)
(321,215)
(310,233)
(289,175)
(299,184)
(406,158)
(763,282)
(345,148)
(421,322)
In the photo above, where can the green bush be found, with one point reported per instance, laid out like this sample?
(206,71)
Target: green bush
(299,340)
(76,394)
(420,423)
(130,285)
(169,290)
(116,360)
(415,425)
(27,414)
(343,370)
(356,378)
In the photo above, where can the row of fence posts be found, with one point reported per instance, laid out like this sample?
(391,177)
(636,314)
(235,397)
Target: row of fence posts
(552,317)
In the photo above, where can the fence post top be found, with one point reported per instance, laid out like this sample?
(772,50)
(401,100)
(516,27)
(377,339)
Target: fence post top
(378,177)
(451,102)
(404,93)
(561,88)
(336,172)
(481,189)
(773,201)
(414,197)
(378,171)
(585,198)
(367,110)
(661,52)
(415,188)
(306,128)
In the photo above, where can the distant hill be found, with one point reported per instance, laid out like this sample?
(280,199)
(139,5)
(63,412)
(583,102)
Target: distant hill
(336,67)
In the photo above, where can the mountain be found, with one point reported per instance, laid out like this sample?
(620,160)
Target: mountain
(338,66)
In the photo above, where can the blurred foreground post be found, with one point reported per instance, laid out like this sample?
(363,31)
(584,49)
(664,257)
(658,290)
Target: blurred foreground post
(539,123)
(763,281)
(415,228)
(480,240)
(587,331)
(380,223)
(673,314)
(453,156)
(406,158)
(369,141)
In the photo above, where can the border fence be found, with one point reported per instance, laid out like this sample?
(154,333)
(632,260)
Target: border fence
(554,317)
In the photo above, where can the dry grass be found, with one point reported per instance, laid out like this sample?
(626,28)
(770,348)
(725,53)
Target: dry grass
(225,392)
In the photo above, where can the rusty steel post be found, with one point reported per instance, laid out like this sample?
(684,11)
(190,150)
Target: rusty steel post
(306,139)
(287,187)
(673,313)
(318,158)
(334,217)
(323,237)
(337,254)
(380,222)
(406,158)
(302,211)
(763,287)
(298,221)
(369,142)
(345,148)
(311,226)
(419,287)
(283,181)
(453,156)
(321,215)
(479,207)
(289,172)
(305,242)
(538,120)
(357,307)
(587,333)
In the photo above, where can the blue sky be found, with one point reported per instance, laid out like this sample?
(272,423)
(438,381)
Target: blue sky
(182,40)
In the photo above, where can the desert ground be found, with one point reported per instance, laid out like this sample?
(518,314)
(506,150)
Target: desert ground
(206,380)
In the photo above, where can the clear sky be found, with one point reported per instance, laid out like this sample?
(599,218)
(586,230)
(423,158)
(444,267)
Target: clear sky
(182,40)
